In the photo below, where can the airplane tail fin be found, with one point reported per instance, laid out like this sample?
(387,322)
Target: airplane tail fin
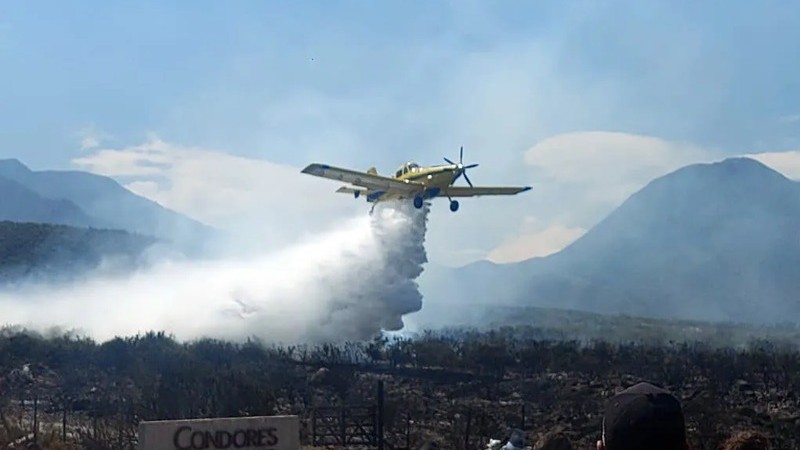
(372,171)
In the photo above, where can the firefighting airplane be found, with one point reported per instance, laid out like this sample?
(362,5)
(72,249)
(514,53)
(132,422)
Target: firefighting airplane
(410,181)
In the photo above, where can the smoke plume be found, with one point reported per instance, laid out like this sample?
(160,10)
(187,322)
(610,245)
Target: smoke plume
(346,284)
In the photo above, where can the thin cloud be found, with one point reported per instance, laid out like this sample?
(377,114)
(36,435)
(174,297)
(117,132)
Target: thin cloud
(586,175)
(787,163)
(531,244)
(789,119)
(260,199)
(91,137)
(578,179)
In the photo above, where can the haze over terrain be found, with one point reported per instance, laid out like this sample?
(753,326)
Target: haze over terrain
(716,241)
(195,140)
(85,199)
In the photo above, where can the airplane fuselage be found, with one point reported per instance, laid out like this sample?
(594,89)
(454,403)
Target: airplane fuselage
(437,176)
(435,179)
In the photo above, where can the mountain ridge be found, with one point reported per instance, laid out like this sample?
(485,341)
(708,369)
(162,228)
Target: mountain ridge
(711,241)
(24,205)
(109,203)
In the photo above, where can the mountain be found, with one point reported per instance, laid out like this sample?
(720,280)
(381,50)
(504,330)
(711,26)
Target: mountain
(22,204)
(717,241)
(102,200)
(48,252)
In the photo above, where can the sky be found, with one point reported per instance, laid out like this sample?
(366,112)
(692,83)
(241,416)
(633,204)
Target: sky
(212,108)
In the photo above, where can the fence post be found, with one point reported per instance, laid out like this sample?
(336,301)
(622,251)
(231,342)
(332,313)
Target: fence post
(469,424)
(380,415)
(343,426)
(483,430)
(120,425)
(64,423)
(313,426)
(36,419)
(408,430)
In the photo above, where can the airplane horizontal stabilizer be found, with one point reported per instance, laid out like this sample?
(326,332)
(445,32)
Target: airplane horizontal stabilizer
(350,190)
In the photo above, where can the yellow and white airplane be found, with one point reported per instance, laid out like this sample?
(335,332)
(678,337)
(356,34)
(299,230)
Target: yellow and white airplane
(410,181)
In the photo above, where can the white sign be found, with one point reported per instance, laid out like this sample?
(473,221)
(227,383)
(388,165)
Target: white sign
(245,433)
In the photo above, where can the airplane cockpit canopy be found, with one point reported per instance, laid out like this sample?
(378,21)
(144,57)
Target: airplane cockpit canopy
(407,167)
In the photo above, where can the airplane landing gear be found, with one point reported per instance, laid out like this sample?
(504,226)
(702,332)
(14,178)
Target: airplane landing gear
(453,205)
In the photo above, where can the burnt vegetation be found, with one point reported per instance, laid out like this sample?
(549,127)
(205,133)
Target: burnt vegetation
(460,389)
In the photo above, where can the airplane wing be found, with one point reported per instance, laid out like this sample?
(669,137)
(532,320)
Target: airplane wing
(368,180)
(463,191)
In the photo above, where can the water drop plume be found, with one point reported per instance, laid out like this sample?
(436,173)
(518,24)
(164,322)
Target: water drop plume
(346,284)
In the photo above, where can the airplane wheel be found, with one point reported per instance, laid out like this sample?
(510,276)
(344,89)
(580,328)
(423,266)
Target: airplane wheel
(454,206)
(418,202)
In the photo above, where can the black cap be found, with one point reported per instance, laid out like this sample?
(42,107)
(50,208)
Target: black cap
(644,416)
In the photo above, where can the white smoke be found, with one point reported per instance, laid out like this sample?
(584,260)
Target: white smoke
(346,284)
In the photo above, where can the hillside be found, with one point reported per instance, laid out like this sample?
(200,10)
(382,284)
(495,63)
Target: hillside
(709,241)
(24,205)
(106,201)
(59,252)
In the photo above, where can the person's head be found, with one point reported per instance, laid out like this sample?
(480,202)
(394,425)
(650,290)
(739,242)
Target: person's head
(554,441)
(643,417)
(516,439)
(747,440)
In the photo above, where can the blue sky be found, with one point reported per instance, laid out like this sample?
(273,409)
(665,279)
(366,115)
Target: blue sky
(363,83)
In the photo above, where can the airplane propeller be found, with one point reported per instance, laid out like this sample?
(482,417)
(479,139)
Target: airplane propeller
(461,168)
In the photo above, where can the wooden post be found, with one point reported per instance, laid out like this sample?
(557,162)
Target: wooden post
(120,425)
(380,415)
(408,430)
(313,426)
(64,423)
(36,419)
(343,426)
(469,424)
(480,429)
